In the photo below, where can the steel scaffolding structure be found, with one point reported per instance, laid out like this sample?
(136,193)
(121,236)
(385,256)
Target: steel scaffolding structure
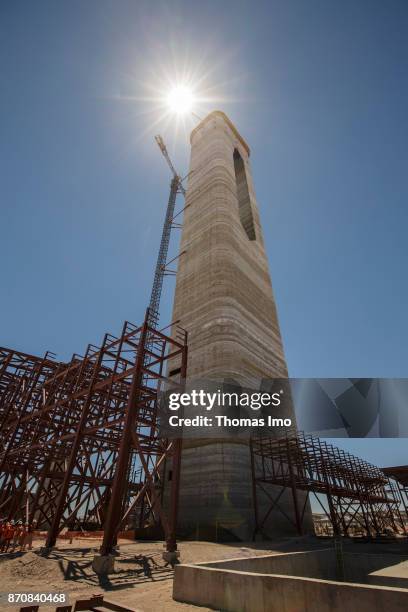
(360,497)
(79,444)
(80,440)
(21,375)
(400,475)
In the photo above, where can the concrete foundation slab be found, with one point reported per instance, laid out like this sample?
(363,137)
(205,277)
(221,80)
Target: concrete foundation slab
(303,581)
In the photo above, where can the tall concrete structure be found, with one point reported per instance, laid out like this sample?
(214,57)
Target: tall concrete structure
(224,300)
(223,293)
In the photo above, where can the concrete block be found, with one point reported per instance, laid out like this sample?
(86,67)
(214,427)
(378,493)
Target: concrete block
(103,564)
(171,557)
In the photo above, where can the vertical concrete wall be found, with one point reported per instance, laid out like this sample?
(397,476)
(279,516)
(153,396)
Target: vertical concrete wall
(224,300)
(240,591)
(319,564)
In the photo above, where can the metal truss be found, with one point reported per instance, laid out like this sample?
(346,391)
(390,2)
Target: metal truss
(162,269)
(399,475)
(361,499)
(80,442)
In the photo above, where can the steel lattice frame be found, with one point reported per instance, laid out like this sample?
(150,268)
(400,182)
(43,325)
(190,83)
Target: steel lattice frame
(399,474)
(360,497)
(22,377)
(160,270)
(80,440)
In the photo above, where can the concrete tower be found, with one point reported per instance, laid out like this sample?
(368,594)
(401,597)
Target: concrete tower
(224,300)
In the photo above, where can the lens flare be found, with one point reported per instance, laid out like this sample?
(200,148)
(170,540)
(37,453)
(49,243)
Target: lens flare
(180,100)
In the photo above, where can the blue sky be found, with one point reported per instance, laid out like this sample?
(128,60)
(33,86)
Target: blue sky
(319,90)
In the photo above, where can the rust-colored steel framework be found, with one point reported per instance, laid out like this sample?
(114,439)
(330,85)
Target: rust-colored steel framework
(399,474)
(80,441)
(361,499)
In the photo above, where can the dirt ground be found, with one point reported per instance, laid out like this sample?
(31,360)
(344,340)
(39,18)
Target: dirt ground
(141,580)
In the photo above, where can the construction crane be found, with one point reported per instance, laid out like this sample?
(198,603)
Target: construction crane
(166,155)
(161,270)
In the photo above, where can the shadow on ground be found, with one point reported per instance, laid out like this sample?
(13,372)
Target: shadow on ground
(130,570)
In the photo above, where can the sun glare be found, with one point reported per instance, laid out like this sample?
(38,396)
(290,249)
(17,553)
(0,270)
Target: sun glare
(174,95)
(180,100)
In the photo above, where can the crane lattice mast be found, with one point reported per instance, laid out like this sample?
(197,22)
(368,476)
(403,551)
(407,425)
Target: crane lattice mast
(160,270)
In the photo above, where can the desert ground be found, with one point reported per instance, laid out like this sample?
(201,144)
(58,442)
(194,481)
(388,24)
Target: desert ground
(141,579)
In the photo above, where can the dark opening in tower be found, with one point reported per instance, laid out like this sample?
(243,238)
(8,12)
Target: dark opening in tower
(244,202)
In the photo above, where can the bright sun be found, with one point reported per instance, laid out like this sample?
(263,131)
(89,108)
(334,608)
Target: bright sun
(180,100)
